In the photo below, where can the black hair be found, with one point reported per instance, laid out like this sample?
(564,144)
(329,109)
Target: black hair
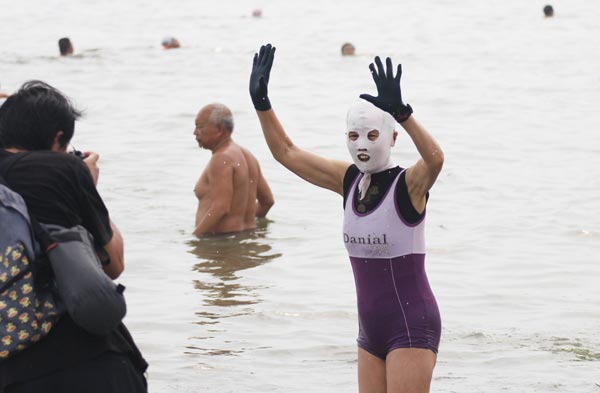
(64,44)
(548,10)
(30,118)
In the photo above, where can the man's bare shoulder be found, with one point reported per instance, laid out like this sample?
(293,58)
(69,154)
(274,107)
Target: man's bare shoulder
(227,155)
(221,161)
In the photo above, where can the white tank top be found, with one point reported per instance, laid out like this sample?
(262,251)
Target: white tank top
(381,233)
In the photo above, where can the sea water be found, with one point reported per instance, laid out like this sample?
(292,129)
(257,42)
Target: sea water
(513,234)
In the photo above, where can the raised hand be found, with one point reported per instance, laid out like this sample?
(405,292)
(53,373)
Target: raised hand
(389,96)
(259,78)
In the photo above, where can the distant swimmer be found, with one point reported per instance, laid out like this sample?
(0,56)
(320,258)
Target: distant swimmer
(231,191)
(384,223)
(348,49)
(548,11)
(65,46)
(170,43)
(257,13)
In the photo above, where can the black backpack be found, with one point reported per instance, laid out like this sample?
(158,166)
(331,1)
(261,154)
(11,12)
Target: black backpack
(28,308)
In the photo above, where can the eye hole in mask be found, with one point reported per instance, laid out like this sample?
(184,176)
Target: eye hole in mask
(372,135)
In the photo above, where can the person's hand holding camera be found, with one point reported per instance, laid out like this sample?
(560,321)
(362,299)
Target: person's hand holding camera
(90,159)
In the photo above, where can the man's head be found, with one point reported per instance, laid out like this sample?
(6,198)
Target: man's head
(214,125)
(170,43)
(65,46)
(370,136)
(348,49)
(37,117)
(548,11)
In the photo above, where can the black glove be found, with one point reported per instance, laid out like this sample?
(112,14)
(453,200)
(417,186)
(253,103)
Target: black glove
(389,97)
(259,78)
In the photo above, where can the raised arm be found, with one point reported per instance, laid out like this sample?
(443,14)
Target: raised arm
(318,170)
(421,176)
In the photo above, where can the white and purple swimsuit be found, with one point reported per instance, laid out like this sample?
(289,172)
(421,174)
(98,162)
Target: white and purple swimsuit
(396,307)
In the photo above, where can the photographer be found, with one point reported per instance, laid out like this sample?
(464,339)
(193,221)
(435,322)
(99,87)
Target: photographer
(36,126)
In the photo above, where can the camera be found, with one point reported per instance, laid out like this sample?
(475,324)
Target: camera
(77,153)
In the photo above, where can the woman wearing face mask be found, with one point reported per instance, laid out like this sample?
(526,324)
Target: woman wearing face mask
(384,218)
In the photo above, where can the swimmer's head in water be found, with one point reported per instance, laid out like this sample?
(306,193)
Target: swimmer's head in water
(170,43)
(370,136)
(348,49)
(65,46)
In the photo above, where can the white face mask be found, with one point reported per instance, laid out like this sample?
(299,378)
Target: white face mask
(370,156)
(374,155)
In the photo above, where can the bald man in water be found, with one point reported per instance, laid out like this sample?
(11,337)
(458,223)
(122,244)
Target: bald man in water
(231,191)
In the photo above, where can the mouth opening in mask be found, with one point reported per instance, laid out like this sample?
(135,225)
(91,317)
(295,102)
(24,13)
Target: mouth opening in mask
(363,157)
